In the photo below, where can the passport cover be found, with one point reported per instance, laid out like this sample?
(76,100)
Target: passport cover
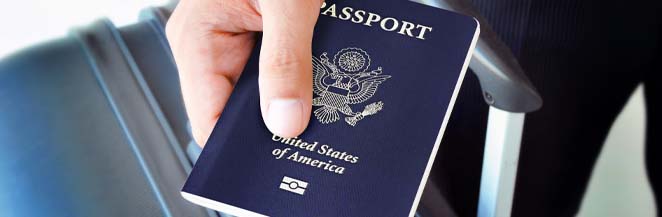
(386,74)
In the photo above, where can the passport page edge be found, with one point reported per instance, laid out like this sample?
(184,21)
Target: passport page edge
(444,123)
(219,206)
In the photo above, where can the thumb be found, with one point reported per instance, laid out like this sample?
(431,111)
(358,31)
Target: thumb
(286,64)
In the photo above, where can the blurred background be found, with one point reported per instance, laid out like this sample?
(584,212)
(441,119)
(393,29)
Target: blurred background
(618,186)
(27,22)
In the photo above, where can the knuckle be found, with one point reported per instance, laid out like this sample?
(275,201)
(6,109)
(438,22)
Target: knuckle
(284,64)
(171,28)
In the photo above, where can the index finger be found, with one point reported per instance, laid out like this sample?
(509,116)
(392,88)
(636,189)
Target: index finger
(210,53)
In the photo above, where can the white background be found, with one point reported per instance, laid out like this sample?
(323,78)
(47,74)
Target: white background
(24,22)
(618,187)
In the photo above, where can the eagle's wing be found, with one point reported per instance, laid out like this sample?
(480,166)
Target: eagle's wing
(319,72)
(368,88)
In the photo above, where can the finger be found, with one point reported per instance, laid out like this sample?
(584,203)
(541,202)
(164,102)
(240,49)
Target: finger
(286,64)
(209,61)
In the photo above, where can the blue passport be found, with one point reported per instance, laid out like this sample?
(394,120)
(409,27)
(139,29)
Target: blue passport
(386,74)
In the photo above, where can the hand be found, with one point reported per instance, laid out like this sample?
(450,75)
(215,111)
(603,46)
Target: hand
(211,41)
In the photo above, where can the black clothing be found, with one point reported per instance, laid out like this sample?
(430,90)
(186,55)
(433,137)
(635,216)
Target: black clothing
(585,58)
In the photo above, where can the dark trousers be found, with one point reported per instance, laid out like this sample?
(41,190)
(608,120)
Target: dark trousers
(586,58)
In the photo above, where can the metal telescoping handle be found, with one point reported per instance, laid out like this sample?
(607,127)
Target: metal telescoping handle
(502,79)
(510,94)
(502,145)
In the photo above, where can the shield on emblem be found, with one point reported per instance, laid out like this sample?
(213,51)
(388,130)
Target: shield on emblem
(335,97)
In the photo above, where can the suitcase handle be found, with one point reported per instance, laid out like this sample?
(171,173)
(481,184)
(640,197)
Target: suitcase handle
(511,95)
(502,79)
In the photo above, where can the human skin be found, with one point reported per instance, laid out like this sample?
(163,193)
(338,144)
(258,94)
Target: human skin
(211,42)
